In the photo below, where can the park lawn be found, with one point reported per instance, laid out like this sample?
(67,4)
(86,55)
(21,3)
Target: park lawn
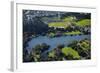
(72,33)
(58,24)
(83,22)
(69,51)
(64,24)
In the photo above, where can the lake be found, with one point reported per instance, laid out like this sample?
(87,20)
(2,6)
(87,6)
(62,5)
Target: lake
(53,42)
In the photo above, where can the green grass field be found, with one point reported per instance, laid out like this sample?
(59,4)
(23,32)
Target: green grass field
(69,51)
(64,24)
(83,22)
(58,24)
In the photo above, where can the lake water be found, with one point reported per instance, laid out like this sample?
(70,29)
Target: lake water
(53,42)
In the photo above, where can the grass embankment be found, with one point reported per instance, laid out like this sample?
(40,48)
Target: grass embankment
(72,33)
